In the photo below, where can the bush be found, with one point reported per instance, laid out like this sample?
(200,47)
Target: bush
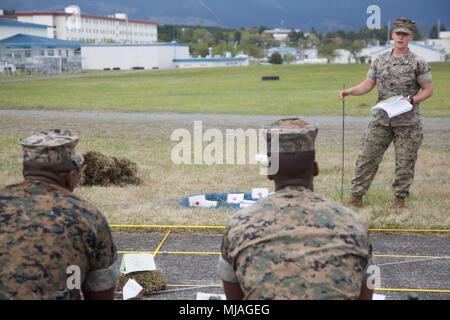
(101,170)
(276,58)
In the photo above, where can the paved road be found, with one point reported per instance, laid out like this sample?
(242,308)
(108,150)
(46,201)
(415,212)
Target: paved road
(396,272)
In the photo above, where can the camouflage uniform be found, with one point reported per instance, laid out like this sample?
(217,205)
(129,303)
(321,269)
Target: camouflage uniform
(295,244)
(394,76)
(45,228)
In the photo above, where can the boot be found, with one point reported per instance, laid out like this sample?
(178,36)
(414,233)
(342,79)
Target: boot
(355,201)
(398,203)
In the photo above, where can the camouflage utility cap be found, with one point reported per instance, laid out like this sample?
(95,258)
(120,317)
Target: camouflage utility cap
(404,25)
(294,135)
(52,147)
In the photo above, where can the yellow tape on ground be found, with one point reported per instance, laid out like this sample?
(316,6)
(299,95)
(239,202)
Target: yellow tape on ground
(217,252)
(160,245)
(402,256)
(376,289)
(411,230)
(170,252)
(164,226)
(223,227)
(412,290)
(196,285)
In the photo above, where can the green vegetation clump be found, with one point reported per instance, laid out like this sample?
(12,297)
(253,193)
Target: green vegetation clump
(102,170)
(150,281)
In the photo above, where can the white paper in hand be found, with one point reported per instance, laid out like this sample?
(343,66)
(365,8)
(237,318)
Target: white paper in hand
(394,106)
(133,262)
(131,289)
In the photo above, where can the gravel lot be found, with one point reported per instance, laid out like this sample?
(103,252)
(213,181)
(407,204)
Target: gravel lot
(436,130)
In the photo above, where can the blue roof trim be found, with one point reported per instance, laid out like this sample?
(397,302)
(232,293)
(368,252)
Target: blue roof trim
(209,59)
(134,45)
(282,49)
(426,47)
(27,41)
(15,23)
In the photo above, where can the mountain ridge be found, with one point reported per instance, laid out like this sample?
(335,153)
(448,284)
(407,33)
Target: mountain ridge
(323,15)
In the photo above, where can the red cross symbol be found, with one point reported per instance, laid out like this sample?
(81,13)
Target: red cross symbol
(197,203)
(260,194)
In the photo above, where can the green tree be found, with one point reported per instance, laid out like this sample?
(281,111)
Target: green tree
(276,58)
(221,48)
(167,33)
(251,50)
(237,36)
(187,36)
(417,34)
(199,49)
(327,50)
(355,49)
(202,35)
(262,29)
(219,36)
(295,36)
(433,32)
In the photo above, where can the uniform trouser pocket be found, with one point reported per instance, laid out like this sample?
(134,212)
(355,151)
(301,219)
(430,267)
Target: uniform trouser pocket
(407,141)
(375,141)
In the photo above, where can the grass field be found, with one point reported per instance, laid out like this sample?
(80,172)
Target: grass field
(302,90)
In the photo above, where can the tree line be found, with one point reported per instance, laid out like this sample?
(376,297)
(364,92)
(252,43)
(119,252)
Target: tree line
(254,41)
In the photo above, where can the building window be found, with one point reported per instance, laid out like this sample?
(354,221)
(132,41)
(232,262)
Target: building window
(42,52)
(27,53)
(50,52)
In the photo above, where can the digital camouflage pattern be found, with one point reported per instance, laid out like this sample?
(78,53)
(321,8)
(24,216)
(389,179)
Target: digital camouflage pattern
(394,76)
(43,230)
(296,244)
(51,147)
(294,135)
(399,76)
(375,141)
(404,25)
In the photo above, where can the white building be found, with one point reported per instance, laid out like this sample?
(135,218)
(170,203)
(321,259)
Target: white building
(279,34)
(40,54)
(284,51)
(238,61)
(128,56)
(11,27)
(428,53)
(442,43)
(75,26)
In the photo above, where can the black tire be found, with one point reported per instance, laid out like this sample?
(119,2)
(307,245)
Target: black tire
(270,78)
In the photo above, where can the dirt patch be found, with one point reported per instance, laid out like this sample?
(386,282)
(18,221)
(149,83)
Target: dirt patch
(103,170)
